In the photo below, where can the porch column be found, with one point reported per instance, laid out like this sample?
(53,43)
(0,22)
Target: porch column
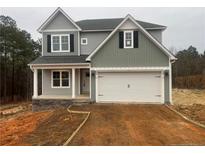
(35,83)
(73,82)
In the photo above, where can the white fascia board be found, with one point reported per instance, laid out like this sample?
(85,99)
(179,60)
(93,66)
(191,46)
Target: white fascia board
(60,67)
(53,15)
(142,30)
(113,69)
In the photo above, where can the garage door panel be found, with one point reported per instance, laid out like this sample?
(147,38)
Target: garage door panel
(139,87)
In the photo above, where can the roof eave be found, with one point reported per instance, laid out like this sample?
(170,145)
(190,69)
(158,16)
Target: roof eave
(100,30)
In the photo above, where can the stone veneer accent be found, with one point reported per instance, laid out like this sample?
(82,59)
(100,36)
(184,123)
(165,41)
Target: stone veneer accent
(46,104)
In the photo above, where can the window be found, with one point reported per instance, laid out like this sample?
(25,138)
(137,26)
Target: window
(60,43)
(64,43)
(56,43)
(128,39)
(60,79)
(65,79)
(56,79)
(84,41)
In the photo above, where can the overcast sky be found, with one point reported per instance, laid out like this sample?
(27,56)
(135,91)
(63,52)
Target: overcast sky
(185,26)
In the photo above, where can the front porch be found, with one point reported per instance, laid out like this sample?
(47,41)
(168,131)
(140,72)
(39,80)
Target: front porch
(64,82)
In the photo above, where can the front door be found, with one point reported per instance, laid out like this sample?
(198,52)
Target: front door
(85,81)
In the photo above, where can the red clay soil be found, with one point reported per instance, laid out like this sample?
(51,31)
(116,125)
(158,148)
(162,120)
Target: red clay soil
(7,111)
(13,130)
(136,125)
(56,129)
(39,128)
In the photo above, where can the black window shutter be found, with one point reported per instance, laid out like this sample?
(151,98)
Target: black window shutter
(121,40)
(136,39)
(71,43)
(48,43)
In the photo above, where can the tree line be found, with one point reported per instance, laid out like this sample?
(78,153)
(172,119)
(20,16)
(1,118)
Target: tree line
(189,69)
(17,49)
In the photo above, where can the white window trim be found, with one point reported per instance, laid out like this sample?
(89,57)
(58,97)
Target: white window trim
(132,39)
(60,78)
(84,39)
(60,35)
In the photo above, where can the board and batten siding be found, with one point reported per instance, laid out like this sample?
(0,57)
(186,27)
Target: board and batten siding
(45,50)
(146,55)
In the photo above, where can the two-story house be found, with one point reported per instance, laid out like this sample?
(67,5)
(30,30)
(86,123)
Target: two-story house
(103,60)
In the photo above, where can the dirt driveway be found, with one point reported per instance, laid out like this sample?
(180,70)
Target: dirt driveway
(136,125)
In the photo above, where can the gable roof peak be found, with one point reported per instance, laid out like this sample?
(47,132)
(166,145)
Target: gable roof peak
(157,43)
(52,16)
(128,15)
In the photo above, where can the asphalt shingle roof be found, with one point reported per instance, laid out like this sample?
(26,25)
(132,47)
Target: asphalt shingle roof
(103,24)
(91,24)
(59,59)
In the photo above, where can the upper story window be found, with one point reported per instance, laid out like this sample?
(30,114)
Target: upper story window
(84,41)
(128,39)
(60,43)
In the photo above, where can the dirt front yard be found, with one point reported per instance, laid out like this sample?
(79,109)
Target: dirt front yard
(136,125)
(191,103)
(108,124)
(52,127)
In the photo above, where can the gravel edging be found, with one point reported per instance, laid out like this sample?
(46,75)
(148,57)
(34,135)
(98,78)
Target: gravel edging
(184,117)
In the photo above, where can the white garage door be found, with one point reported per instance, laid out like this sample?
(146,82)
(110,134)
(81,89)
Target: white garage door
(132,87)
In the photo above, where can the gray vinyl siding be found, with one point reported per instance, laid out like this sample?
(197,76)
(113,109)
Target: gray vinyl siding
(94,39)
(48,90)
(93,86)
(166,89)
(60,22)
(147,55)
(157,34)
(46,53)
